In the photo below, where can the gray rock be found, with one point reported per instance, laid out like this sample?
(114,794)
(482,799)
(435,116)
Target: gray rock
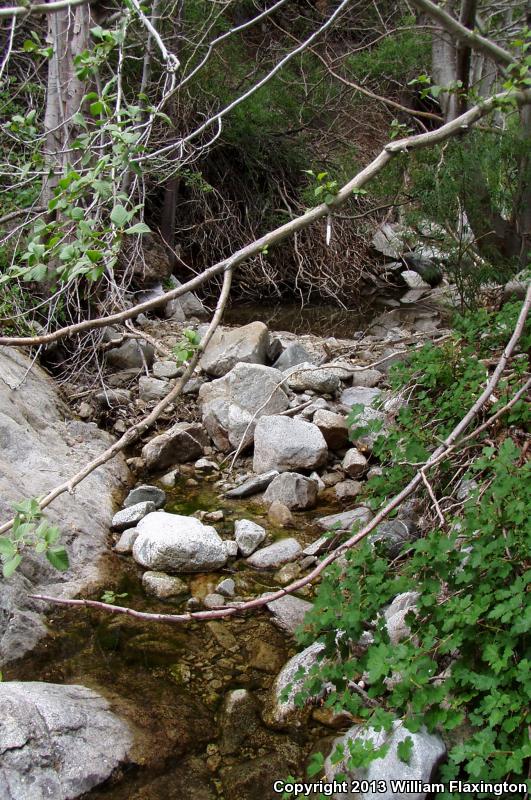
(295,491)
(354,463)
(249,535)
(428,752)
(307,377)
(129,517)
(346,519)
(289,612)
(395,616)
(145,493)
(358,394)
(252,485)
(280,713)
(132,353)
(279,515)
(125,543)
(168,480)
(227,588)
(367,378)
(227,348)
(214,600)
(346,490)
(275,555)
(333,427)
(230,547)
(174,543)
(113,397)
(388,240)
(150,389)
(425,266)
(412,296)
(184,441)
(163,586)
(190,304)
(514,290)
(288,444)
(294,354)
(413,280)
(232,405)
(205,465)
(395,533)
(166,370)
(54,741)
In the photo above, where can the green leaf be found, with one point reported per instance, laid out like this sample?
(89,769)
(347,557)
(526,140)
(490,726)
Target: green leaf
(10,566)
(7,548)
(405,749)
(120,216)
(58,557)
(140,228)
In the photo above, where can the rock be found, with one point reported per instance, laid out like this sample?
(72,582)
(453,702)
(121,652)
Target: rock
(333,427)
(231,406)
(129,517)
(144,494)
(318,404)
(280,713)
(152,389)
(316,478)
(295,491)
(412,296)
(425,267)
(85,410)
(395,533)
(294,354)
(227,588)
(427,753)
(166,370)
(354,463)
(248,535)
(355,395)
(318,546)
(214,600)
(239,716)
(289,612)
(54,740)
(395,616)
(514,290)
(125,543)
(275,555)
(174,543)
(215,516)
(265,656)
(287,444)
(132,353)
(346,520)
(388,240)
(252,485)
(230,548)
(190,304)
(367,378)
(307,376)
(287,574)
(184,441)
(280,515)
(413,280)
(163,586)
(113,397)
(247,344)
(331,478)
(205,465)
(346,490)
(170,478)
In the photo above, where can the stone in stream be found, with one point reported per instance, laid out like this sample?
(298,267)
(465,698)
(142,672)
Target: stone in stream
(295,491)
(280,515)
(214,600)
(249,535)
(289,612)
(317,379)
(280,713)
(287,444)
(232,405)
(174,543)
(129,517)
(252,485)
(227,588)
(125,543)
(54,740)
(163,586)
(144,494)
(275,555)
(354,463)
(346,519)
(294,354)
(247,344)
(346,490)
(428,751)
(184,441)
(333,427)
(230,547)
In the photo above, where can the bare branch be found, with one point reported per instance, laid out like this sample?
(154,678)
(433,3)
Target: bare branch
(40,8)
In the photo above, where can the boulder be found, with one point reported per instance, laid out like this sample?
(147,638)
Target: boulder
(280,515)
(346,490)
(295,491)
(183,442)
(232,405)
(249,535)
(288,444)
(54,741)
(317,379)
(130,516)
(294,354)
(388,240)
(144,494)
(346,520)
(151,389)
(166,370)
(41,446)
(163,586)
(174,543)
(367,378)
(252,485)
(354,463)
(333,427)
(289,612)
(427,753)
(229,347)
(275,555)
(281,713)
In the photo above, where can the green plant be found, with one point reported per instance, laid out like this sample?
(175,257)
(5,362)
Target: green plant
(30,529)
(185,349)
(109,596)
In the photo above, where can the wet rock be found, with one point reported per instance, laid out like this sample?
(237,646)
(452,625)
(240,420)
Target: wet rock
(232,405)
(125,543)
(205,465)
(295,491)
(428,752)
(287,574)
(249,535)
(165,370)
(214,600)
(275,555)
(247,344)
(215,516)
(174,543)
(170,478)
(346,519)
(129,517)
(308,377)
(346,490)
(227,588)
(367,378)
(280,515)
(252,485)
(289,612)
(287,444)
(354,463)
(184,441)
(144,494)
(163,586)
(252,779)
(333,427)
(280,713)
(294,354)
(331,478)
(264,656)
(239,720)
(54,740)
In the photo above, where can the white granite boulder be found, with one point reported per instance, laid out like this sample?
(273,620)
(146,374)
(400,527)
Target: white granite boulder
(174,543)
(288,445)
